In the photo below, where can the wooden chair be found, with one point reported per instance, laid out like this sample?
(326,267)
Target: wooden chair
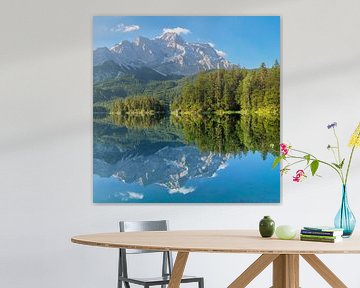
(167,262)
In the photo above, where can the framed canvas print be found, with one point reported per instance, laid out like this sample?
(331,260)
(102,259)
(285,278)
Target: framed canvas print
(186,109)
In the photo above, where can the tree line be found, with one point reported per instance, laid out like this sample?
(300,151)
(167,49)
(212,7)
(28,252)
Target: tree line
(235,134)
(231,91)
(130,85)
(219,91)
(138,105)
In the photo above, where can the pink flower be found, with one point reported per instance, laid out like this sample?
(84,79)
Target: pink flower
(300,174)
(284,149)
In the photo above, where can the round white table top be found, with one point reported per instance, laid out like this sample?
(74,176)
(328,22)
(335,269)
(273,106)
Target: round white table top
(217,241)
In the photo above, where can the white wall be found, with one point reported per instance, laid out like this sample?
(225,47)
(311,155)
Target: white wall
(46,138)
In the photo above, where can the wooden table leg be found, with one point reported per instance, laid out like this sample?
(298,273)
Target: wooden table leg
(286,271)
(293,264)
(178,269)
(324,271)
(279,270)
(253,270)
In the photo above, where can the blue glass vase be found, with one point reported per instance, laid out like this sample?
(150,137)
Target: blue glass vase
(345,219)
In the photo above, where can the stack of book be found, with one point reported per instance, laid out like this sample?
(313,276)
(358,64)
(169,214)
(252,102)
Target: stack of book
(321,234)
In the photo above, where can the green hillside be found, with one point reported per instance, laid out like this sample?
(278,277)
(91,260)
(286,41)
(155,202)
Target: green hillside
(229,91)
(145,91)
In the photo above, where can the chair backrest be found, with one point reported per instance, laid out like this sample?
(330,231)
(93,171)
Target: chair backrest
(138,226)
(133,226)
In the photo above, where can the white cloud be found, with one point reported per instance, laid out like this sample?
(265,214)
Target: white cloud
(177,30)
(125,196)
(134,195)
(125,28)
(182,190)
(223,166)
(220,53)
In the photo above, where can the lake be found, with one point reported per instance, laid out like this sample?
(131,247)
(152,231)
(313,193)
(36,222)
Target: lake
(188,159)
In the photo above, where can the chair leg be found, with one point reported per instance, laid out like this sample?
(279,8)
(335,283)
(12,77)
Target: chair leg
(165,267)
(201,283)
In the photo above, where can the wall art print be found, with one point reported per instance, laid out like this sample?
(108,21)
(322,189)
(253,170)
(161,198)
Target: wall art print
(186,109)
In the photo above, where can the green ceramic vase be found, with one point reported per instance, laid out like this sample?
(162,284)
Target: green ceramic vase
(267,227)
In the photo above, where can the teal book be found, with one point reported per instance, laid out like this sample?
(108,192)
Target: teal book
(323,229)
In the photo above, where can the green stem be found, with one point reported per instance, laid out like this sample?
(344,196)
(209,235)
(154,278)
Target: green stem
(339,155)
(350,159)
(333,152)
(348,167)
(296,162)
(338,145)
(339,171)
(300,151)
(323,162)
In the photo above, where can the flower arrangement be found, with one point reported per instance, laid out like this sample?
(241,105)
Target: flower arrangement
(294,156)
(344,219)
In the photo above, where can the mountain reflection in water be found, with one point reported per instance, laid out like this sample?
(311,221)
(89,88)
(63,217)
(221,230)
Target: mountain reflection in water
(181,159)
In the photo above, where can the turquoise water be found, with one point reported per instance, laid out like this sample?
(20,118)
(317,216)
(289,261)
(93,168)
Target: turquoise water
(246,180)
(165,163)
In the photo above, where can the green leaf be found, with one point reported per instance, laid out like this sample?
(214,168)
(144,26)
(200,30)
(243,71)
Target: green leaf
(339,166)
(314,167)
(276,161)
(342,163)
(307,157)
(336,165)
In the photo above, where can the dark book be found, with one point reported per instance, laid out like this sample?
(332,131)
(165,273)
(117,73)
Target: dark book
(321,233)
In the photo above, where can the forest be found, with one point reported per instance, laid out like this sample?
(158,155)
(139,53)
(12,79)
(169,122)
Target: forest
(138,105)
(236,90)
(211,92)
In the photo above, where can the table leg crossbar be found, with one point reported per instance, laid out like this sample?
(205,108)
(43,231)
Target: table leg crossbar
(178,270)
(285,271)
(324,271)
(254,270)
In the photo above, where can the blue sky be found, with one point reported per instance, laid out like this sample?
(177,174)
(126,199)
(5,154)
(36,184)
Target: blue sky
(245,40)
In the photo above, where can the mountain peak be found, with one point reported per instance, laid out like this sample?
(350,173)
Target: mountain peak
(168,54)
(171,37)
(139,40)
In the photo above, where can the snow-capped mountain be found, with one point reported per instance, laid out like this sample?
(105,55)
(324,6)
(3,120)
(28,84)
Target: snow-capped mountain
(167,54)
(170,167)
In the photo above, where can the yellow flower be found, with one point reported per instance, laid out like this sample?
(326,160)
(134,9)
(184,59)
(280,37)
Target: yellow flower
(355,138)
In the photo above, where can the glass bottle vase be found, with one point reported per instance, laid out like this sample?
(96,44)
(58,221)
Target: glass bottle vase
(345,219)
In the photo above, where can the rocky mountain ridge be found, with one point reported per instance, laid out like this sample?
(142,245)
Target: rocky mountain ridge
(167,54)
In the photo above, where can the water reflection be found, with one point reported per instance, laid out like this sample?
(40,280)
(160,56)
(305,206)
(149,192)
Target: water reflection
(233,134)
(180,154)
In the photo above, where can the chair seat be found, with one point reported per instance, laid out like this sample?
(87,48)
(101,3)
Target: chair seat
(158,280)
